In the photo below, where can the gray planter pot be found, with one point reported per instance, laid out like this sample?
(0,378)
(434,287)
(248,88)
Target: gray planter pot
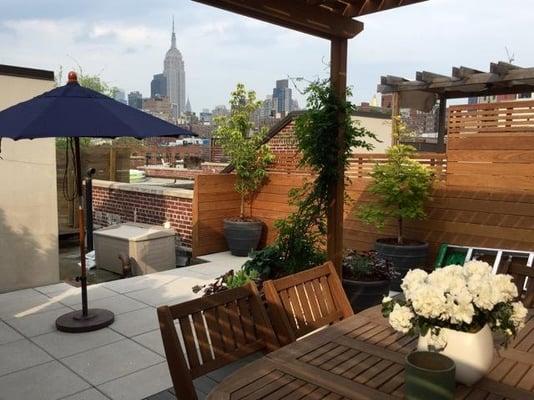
(242,236)
(403,257)
(429,375)
(363,295)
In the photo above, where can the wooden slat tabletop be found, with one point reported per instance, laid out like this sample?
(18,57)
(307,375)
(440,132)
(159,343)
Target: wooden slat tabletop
(363,358)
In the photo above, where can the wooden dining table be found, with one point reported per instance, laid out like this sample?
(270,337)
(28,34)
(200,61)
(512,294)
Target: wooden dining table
(362,357)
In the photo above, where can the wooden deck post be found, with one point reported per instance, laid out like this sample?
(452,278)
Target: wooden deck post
(395,112)
(338,80)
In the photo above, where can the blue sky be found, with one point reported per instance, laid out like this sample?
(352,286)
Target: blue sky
(124,42)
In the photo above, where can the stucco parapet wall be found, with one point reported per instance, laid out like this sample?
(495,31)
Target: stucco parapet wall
(149,189)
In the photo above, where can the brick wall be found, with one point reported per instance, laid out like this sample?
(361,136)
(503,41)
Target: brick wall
(285,149)
(121,202)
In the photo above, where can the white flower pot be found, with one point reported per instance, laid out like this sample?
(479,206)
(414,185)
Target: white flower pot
(472,352)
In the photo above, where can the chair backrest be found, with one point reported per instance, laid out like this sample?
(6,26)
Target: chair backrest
(306,301)
(523,277)
(215,331)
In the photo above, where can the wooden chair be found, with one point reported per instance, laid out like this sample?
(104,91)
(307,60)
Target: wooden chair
(303,302)
(523,277)
(216,330)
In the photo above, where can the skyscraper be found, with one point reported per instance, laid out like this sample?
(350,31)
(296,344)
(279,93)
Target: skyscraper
(158,86)
(282,101)
(174,72)
(135,99)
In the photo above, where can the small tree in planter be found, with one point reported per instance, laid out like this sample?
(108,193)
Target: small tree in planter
(250,158)
(401,187)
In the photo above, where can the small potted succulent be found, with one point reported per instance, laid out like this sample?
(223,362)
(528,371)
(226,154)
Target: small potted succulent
(366,278)
(401,187)
(250,157)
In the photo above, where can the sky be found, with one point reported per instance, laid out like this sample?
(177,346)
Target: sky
(124,42)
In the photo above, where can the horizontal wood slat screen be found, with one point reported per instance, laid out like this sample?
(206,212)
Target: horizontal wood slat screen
(492,146)
(214,199)
(484,194)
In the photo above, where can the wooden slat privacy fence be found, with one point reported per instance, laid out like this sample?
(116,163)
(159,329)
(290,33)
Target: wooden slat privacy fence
(492,146)
(484,193)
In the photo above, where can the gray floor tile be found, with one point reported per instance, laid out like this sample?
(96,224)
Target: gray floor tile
(73,296)
(177,291)
(17,305)
(113,361)
(63,344)
(151,281)
(48,381)
(56,288)
(90,394)
(117,304)
(39,323)
(136,322)
(8,334)
(152,340)
(21,354)
(140,384)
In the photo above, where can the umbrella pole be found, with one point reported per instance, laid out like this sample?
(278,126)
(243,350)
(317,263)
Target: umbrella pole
(81,223)
(88,319)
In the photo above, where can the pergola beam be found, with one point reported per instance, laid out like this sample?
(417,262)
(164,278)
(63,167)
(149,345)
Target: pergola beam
(465,82)
(300,16)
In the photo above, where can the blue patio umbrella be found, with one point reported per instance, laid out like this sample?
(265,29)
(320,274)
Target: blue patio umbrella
(74,111)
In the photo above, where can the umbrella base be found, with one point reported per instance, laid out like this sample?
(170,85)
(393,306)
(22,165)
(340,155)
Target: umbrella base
(76,322)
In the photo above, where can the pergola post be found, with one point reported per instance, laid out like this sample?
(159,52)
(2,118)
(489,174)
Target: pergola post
(338,80)
(442,122)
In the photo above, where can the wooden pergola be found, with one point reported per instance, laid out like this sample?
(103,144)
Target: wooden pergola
(332,20)
(502,78)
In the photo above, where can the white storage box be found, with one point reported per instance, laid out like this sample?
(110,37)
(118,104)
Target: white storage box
(151,248)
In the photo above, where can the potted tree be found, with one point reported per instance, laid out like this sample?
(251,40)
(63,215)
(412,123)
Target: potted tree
(366,278)
(401,187)
(249,156)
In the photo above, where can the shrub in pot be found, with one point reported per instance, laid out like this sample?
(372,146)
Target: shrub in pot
(250,157)
(366,278)
(401,186)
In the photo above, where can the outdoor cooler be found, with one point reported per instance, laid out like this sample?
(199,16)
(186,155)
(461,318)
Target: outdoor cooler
(151,248)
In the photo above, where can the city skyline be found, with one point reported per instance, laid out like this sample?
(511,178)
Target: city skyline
(124,44)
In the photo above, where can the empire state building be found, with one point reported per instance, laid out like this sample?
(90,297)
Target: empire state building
(174,72)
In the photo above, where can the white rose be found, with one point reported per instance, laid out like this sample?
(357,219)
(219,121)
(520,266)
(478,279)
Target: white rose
(400,318)
(439,340)
(386,299)
(412,281)
(519,314)
(476,267)
(429,301)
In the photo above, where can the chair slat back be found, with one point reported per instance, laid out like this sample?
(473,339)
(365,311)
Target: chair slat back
(523,277)
(208,333)
(303,302)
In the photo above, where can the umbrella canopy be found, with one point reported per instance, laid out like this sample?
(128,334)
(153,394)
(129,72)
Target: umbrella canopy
(75,111)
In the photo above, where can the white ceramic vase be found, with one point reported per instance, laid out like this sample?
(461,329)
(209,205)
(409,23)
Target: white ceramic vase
(472,352)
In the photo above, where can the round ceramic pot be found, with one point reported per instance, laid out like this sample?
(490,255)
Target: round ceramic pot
(429,375)
(363,295)
(403,257)
(242,237)
(471,352)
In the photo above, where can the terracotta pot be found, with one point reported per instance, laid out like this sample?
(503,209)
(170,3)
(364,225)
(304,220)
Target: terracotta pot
(472,352)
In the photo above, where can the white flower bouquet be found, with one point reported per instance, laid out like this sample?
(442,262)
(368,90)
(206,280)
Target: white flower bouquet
(462,298)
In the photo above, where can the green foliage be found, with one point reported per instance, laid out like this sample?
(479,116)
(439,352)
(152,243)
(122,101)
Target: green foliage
(300,242)
(240,278)
(401,186)
(248,154)
(96,83)
(367,266)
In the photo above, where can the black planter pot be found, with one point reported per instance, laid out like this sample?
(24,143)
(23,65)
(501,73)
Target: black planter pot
(403,257)
(429,375)
(242,236)
(363,294)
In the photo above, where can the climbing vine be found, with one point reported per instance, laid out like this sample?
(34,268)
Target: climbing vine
(300,242)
